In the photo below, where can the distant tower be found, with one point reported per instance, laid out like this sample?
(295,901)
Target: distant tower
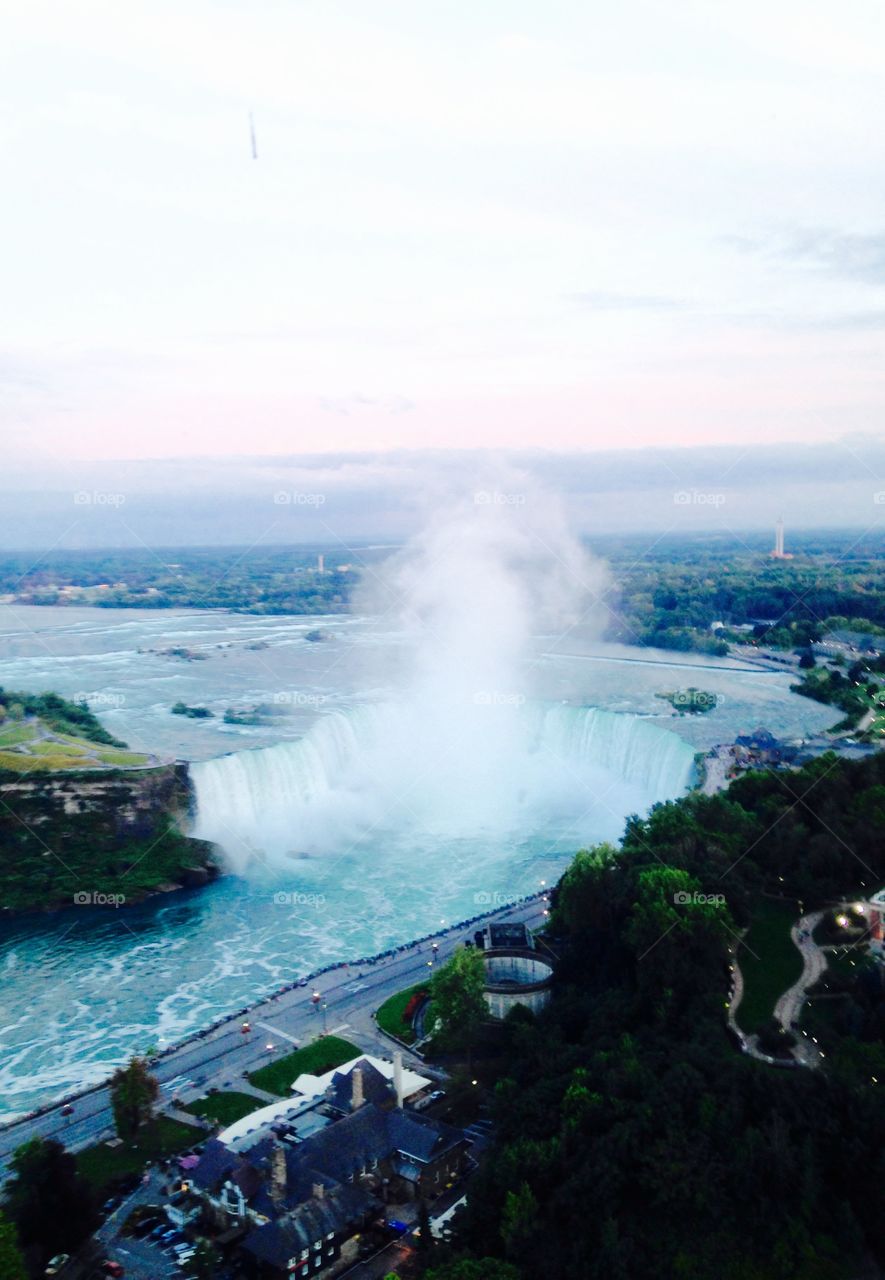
(321,564)
(779,553)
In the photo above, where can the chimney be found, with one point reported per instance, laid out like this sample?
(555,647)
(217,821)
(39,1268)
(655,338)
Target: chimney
(318,1191)
(278,1173)
(398,1078)
(358,1099)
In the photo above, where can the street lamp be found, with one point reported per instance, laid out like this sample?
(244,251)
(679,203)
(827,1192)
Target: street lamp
(320,1004)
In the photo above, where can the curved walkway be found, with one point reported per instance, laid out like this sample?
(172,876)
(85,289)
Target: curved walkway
(789,1005)
(747,1043)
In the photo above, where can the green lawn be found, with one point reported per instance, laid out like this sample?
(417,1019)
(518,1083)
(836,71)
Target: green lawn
(390,1016)
(769,961)
(315,1059)
(225,1108)
(12,733)
(164,1137)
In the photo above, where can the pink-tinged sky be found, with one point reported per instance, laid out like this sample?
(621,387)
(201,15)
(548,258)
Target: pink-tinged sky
(569,225)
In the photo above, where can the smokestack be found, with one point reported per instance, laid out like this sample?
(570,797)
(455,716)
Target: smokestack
(321,564)
(278,1173)
(357,1077)
(398,1077)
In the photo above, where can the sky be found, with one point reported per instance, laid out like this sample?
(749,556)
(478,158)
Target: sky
(573,226)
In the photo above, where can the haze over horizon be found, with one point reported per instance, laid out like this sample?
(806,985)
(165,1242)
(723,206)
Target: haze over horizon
(344,498)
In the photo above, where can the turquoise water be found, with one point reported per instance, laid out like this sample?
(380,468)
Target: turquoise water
(324,870)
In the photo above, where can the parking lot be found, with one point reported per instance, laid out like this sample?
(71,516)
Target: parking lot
(146,1257)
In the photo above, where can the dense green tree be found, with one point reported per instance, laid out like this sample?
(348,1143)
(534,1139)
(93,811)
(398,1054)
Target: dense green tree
(12,1264)
(519,1220)
(425,1237)
(47,1200)
(630,1131)
(456,993)
(133,1094)
(203,1264)
(474,1269)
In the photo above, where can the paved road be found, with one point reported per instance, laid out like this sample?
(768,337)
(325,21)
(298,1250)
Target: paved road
(789,1006)
(220,1057)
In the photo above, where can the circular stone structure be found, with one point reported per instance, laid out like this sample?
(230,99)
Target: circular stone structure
(516,975)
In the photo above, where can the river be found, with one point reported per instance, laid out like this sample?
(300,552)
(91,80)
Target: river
(321,868)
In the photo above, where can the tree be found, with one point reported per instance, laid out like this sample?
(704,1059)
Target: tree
(202,1265)
(457,996)
(425,1239)
(474,1269)
(133,1094)
(519,1220)
(48,1201)
(12,1265)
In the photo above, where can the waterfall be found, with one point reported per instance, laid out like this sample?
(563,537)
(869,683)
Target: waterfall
(505,771)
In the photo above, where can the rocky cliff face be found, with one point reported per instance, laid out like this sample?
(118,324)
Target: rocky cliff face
(111,834)
(132,802)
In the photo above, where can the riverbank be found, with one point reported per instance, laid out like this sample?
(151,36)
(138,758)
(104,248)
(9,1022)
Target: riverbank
(103,837)
(221,1049)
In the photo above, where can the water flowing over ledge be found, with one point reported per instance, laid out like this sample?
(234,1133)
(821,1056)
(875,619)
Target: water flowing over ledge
(356,774)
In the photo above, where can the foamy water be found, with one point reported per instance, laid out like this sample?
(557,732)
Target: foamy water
(82,989)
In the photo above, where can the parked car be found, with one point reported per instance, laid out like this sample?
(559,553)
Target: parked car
(145,1226)
(57,1264)
(111,1268)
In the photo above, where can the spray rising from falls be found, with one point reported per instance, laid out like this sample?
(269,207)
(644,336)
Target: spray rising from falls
(459,750)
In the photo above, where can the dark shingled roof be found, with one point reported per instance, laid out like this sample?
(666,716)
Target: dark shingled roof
(376,1088)
(330,1157)
(369,1134)
(215,1165)
(337,1211)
